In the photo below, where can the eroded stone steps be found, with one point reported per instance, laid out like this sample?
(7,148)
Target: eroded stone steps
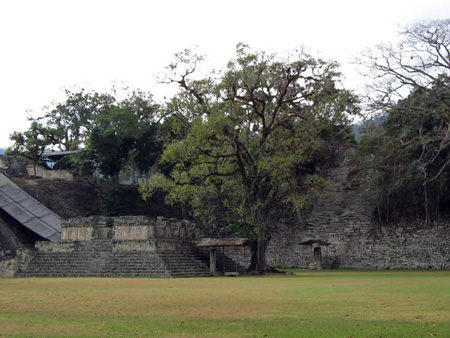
(224,263)
(339,206)
(97,259)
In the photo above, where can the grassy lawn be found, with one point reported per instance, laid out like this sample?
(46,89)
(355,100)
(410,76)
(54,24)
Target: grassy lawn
(302,304)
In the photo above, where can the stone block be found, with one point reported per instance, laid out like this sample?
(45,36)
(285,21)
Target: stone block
(77,233)
(131,232)
(139,246)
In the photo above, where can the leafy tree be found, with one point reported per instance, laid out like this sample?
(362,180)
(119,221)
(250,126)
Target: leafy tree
(412,88)
(73,118)
(108,133)
(124,134)
(254,136)
(32,143)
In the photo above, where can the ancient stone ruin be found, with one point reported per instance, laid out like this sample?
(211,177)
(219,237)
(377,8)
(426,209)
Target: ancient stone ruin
(132,246)
(339,233)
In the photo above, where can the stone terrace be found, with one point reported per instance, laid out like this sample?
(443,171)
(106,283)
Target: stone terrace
(119,247)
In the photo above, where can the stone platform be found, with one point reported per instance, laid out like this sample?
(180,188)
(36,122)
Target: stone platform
(124,247)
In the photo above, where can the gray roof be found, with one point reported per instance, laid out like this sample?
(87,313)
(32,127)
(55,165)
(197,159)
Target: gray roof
(219,242)
(29,212)
(58,154)
(315,241)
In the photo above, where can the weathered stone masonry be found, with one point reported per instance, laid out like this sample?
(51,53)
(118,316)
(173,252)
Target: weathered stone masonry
(341,219)
(132,246)
(118,247)
(131,232)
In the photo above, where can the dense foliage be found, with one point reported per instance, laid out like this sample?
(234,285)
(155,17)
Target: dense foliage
(100,131)
(255,134)
(409,153)
(32,143)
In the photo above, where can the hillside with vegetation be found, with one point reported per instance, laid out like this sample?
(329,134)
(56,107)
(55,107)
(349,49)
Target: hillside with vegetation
(408,154)
(83,199)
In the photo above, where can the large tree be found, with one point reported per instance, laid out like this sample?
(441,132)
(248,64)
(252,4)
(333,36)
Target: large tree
(124,134)
(253,136)
(32,143)
(74,118)
(411,89)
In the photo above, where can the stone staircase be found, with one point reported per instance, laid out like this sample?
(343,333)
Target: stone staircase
(184,264)
(340,210)
(97,258)
(224,264)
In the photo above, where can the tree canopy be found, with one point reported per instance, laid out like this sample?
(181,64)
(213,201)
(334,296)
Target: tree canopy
(102,131)
(125,134)
(412,87)
(255,134)
(32,143)
(73,119)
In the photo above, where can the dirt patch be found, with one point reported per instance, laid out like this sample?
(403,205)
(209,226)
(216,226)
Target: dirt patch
(67,199)
(83,199)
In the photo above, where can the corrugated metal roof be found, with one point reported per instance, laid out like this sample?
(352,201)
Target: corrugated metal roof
(28,211)
(214,242)
(58,153)
(315,241)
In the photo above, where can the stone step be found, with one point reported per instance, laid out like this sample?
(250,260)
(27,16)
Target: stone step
(97,259)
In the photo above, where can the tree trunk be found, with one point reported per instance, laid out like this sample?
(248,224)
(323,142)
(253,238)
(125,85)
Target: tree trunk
(116,180)
(133,175)
(259,263)
(261,248)
(428,221)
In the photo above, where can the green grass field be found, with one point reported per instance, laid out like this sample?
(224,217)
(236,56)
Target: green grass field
(302,304)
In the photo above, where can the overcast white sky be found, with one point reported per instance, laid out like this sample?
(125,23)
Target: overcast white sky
(46,46)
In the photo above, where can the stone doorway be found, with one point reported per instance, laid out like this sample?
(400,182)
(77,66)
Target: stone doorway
(316,245)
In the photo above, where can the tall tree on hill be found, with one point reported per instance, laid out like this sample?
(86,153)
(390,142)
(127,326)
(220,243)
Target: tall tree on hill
(108,133)
(124,134)
(412,88)
(74,118)
(253,136)
(32,143)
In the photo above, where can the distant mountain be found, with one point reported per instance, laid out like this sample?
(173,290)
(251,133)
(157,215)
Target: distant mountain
(358,129)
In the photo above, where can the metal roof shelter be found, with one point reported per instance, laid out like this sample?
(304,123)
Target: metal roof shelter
(28,211)
(50,158)
(315,241)
(214,243)
(57,155)
(221,242)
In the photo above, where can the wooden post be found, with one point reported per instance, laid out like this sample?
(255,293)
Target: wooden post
(317,257)
(212,260)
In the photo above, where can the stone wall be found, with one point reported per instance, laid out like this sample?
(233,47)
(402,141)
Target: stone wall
(41,172)
(240,254)
(343,222)
(8,241)
(403,247)
(10,267)
(127,233)
(129,228)
(17,166)
(390,247)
